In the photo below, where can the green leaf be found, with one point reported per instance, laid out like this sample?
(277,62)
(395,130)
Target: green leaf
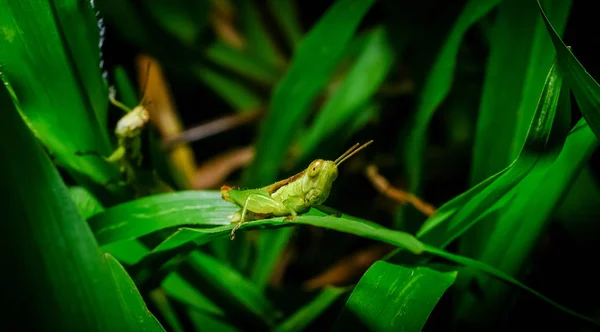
(520,221)
(360,84)
(145,215)
(489,270)
(437,87)
(50,60)
(131,300)
(86,203)
(286,15)
(308,73)
(241,63)
(260,43)
(233,92)
(452,219)
(54,257)
(179,289)
(305,315)
(125,89)
(585,89)
(271,244)
(519,42)
(394,298)
(206,208)
(232,292)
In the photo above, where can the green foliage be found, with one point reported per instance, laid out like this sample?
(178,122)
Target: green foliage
(483,125)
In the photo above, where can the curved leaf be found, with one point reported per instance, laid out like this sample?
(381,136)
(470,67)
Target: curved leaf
(585,89)
(54,257)
(394,298)
(206,208)
(41,42)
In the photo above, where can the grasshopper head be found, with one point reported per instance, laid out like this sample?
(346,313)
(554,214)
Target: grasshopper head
(320,174)
(133,122)
(318,180)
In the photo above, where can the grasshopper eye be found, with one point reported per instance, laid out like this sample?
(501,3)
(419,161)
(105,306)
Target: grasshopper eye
(315,167)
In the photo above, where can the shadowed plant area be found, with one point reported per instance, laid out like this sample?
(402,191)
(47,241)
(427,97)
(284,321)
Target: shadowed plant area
(285,165)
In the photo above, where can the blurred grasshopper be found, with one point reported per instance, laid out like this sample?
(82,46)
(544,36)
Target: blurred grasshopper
(128,154)
(290,197)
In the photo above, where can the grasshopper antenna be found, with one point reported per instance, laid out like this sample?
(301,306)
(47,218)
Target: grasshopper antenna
(348,155)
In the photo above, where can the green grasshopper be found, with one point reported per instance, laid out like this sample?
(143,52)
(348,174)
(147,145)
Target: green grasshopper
(290,197)
(128,153)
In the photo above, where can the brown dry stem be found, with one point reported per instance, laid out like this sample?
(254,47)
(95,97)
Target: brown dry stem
(385,188)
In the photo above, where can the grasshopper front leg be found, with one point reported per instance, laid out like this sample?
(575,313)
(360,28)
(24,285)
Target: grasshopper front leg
(261,204)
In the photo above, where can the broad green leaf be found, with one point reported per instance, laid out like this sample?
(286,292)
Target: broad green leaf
(585,89)
(143,216)
(54,257)
(394,298)
(53,88)
(299,320)
(308,73)
(165,310)
(234,93)
(360,83)
(241,63)
(437,87)
(286,15)
(206,209)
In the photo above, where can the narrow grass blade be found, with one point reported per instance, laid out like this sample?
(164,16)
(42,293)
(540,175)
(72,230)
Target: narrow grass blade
(509,98)
(260,43)
(585,89)
(449,226)
(491,271)
(39,63)
(125,89)
(241,63)
(53,255)
(301,319)
(270,246)
(179,289)
(437,87)
(359,85)
(227,288)
(394,298)
(284,11)
(238,96)
(309,71)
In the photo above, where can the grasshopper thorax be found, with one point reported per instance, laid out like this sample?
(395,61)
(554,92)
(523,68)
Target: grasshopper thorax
(133,122)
